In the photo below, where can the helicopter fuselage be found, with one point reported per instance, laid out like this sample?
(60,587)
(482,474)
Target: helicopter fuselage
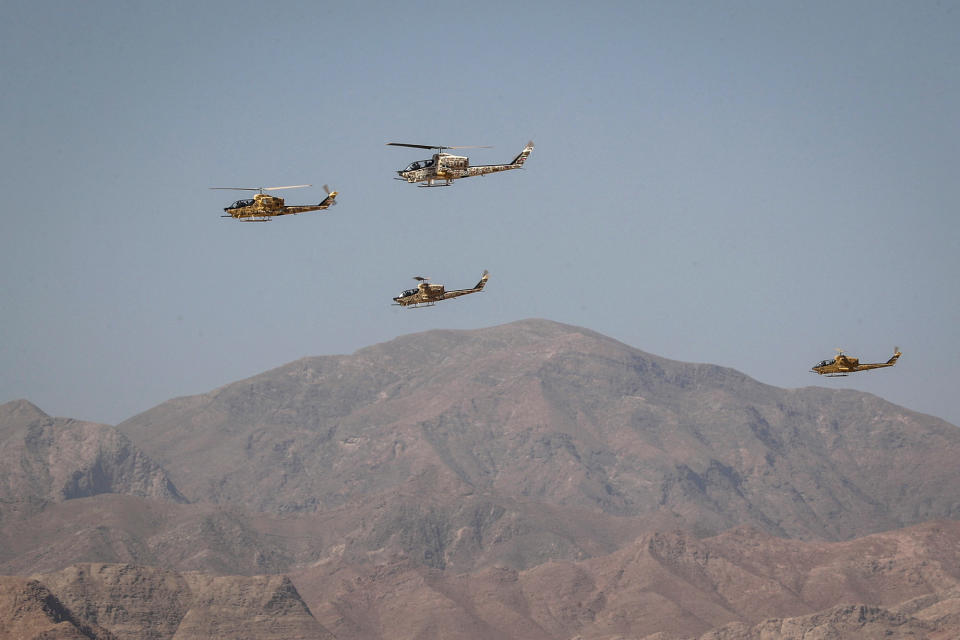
(446,167)
(427,294)
(263,206)
(841,365)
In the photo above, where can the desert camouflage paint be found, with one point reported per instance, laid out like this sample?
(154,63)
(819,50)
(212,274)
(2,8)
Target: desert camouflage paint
(842,365)
(448,167)
(427,294)
(263,206)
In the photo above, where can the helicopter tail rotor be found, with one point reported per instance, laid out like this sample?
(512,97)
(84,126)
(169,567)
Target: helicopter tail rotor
(331,195)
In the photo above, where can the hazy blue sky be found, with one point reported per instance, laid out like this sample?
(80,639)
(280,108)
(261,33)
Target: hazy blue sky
(750,184)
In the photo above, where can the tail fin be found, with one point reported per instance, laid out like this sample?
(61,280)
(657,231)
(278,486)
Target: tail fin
(896,355)
(331,198)
(520,159)
(483,280)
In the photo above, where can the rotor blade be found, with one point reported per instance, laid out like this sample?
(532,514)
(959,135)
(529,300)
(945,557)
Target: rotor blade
(295,186)
(415,146)
(434,146)
(327,189)
(420,278)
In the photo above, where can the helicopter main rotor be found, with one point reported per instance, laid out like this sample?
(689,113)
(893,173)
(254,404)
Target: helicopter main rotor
(262,189)
(433,146)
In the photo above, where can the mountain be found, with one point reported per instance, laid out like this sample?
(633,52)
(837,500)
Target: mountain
(743,584)
(29,610)
(47,460)
(532,480)
(121,601)
(434,434)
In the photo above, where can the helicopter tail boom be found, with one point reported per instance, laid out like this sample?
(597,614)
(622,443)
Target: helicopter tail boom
(456,293)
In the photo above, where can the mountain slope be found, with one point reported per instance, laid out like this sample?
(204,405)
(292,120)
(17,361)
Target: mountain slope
(28,611)
(536,411)
(97,601)
(47,460)
(905,581)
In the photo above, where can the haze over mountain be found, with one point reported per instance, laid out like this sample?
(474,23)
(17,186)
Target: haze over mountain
(530,480)
(541,412)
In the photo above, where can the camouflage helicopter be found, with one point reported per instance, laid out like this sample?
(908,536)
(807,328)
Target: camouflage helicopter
(447,167)
(427,295)
(843,365)
(262,207)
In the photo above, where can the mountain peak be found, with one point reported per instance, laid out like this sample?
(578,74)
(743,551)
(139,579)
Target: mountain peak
(20,411)
(555,414)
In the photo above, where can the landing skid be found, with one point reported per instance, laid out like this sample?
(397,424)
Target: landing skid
(837,375)
(250,218)
(429,186)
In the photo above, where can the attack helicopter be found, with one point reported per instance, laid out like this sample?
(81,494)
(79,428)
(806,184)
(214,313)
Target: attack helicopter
(843,365)
(427,295)
(262,206)
(443,168)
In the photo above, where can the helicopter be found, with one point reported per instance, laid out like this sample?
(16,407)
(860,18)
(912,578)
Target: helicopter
(447,167)
(843,365)
(427,295)
(262,207)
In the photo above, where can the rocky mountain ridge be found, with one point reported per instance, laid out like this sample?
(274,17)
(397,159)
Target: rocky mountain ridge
(540,412)
(46,460)
(117,601)
(740,584)
(743,584)
(532,480)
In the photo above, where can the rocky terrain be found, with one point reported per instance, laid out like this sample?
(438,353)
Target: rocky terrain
(29,610)
(117,601)
(46,460)
(740,583)
(532,480)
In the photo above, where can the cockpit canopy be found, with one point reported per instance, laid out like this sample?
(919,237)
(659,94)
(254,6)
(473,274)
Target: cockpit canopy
(240,203)
(408,292)
(825,363)
(419,164)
